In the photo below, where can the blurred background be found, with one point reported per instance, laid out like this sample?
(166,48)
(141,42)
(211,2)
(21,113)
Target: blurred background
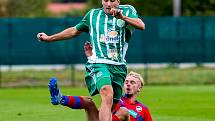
(175,54)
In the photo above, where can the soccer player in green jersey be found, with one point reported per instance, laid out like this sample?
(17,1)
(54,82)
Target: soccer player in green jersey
(110,28)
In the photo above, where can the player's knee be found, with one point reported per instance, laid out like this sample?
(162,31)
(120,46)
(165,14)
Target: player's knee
(106,90)
(88,102)
(106,93)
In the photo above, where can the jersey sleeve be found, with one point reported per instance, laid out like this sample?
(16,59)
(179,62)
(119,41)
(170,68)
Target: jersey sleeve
(132,13)
(83,25)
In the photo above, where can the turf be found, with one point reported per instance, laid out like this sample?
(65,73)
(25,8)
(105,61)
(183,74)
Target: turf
(166,103)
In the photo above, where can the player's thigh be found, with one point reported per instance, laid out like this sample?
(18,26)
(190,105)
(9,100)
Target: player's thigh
(96,76)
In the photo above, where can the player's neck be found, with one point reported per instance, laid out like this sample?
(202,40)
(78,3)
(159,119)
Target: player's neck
(132,98)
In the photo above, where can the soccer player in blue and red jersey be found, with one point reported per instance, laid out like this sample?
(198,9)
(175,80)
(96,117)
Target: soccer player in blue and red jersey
(132,87)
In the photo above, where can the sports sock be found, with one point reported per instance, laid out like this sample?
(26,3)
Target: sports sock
(74,102)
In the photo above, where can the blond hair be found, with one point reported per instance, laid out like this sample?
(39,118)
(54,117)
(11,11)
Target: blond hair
(138,76)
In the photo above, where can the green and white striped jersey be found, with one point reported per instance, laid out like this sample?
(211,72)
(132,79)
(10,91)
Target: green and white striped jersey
(109,36)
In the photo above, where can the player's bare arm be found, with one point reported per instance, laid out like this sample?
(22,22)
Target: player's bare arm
(135,22)
(65,34)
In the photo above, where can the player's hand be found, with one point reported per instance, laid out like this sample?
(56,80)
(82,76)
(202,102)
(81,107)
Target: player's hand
(117,13)
(88,49)
(43,37)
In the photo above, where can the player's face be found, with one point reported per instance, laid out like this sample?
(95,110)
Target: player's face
(108,4)
(132,85)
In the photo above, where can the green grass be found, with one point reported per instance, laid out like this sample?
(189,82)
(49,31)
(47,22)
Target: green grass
(166,103)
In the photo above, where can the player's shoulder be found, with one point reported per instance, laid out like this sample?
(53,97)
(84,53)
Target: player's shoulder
(126,7)
(142,105)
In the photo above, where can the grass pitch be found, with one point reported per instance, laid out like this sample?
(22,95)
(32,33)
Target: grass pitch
(166,103)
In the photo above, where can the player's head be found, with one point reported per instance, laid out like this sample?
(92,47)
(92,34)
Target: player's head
(133,83)
(109,4)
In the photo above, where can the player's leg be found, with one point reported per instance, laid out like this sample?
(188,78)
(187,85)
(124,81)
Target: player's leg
(106,93)
(105,88)
(74,102)
(91,110)
(111,93)
(98,81)
(82,102)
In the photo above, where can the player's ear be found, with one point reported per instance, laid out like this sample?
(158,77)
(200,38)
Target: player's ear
(139,88)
